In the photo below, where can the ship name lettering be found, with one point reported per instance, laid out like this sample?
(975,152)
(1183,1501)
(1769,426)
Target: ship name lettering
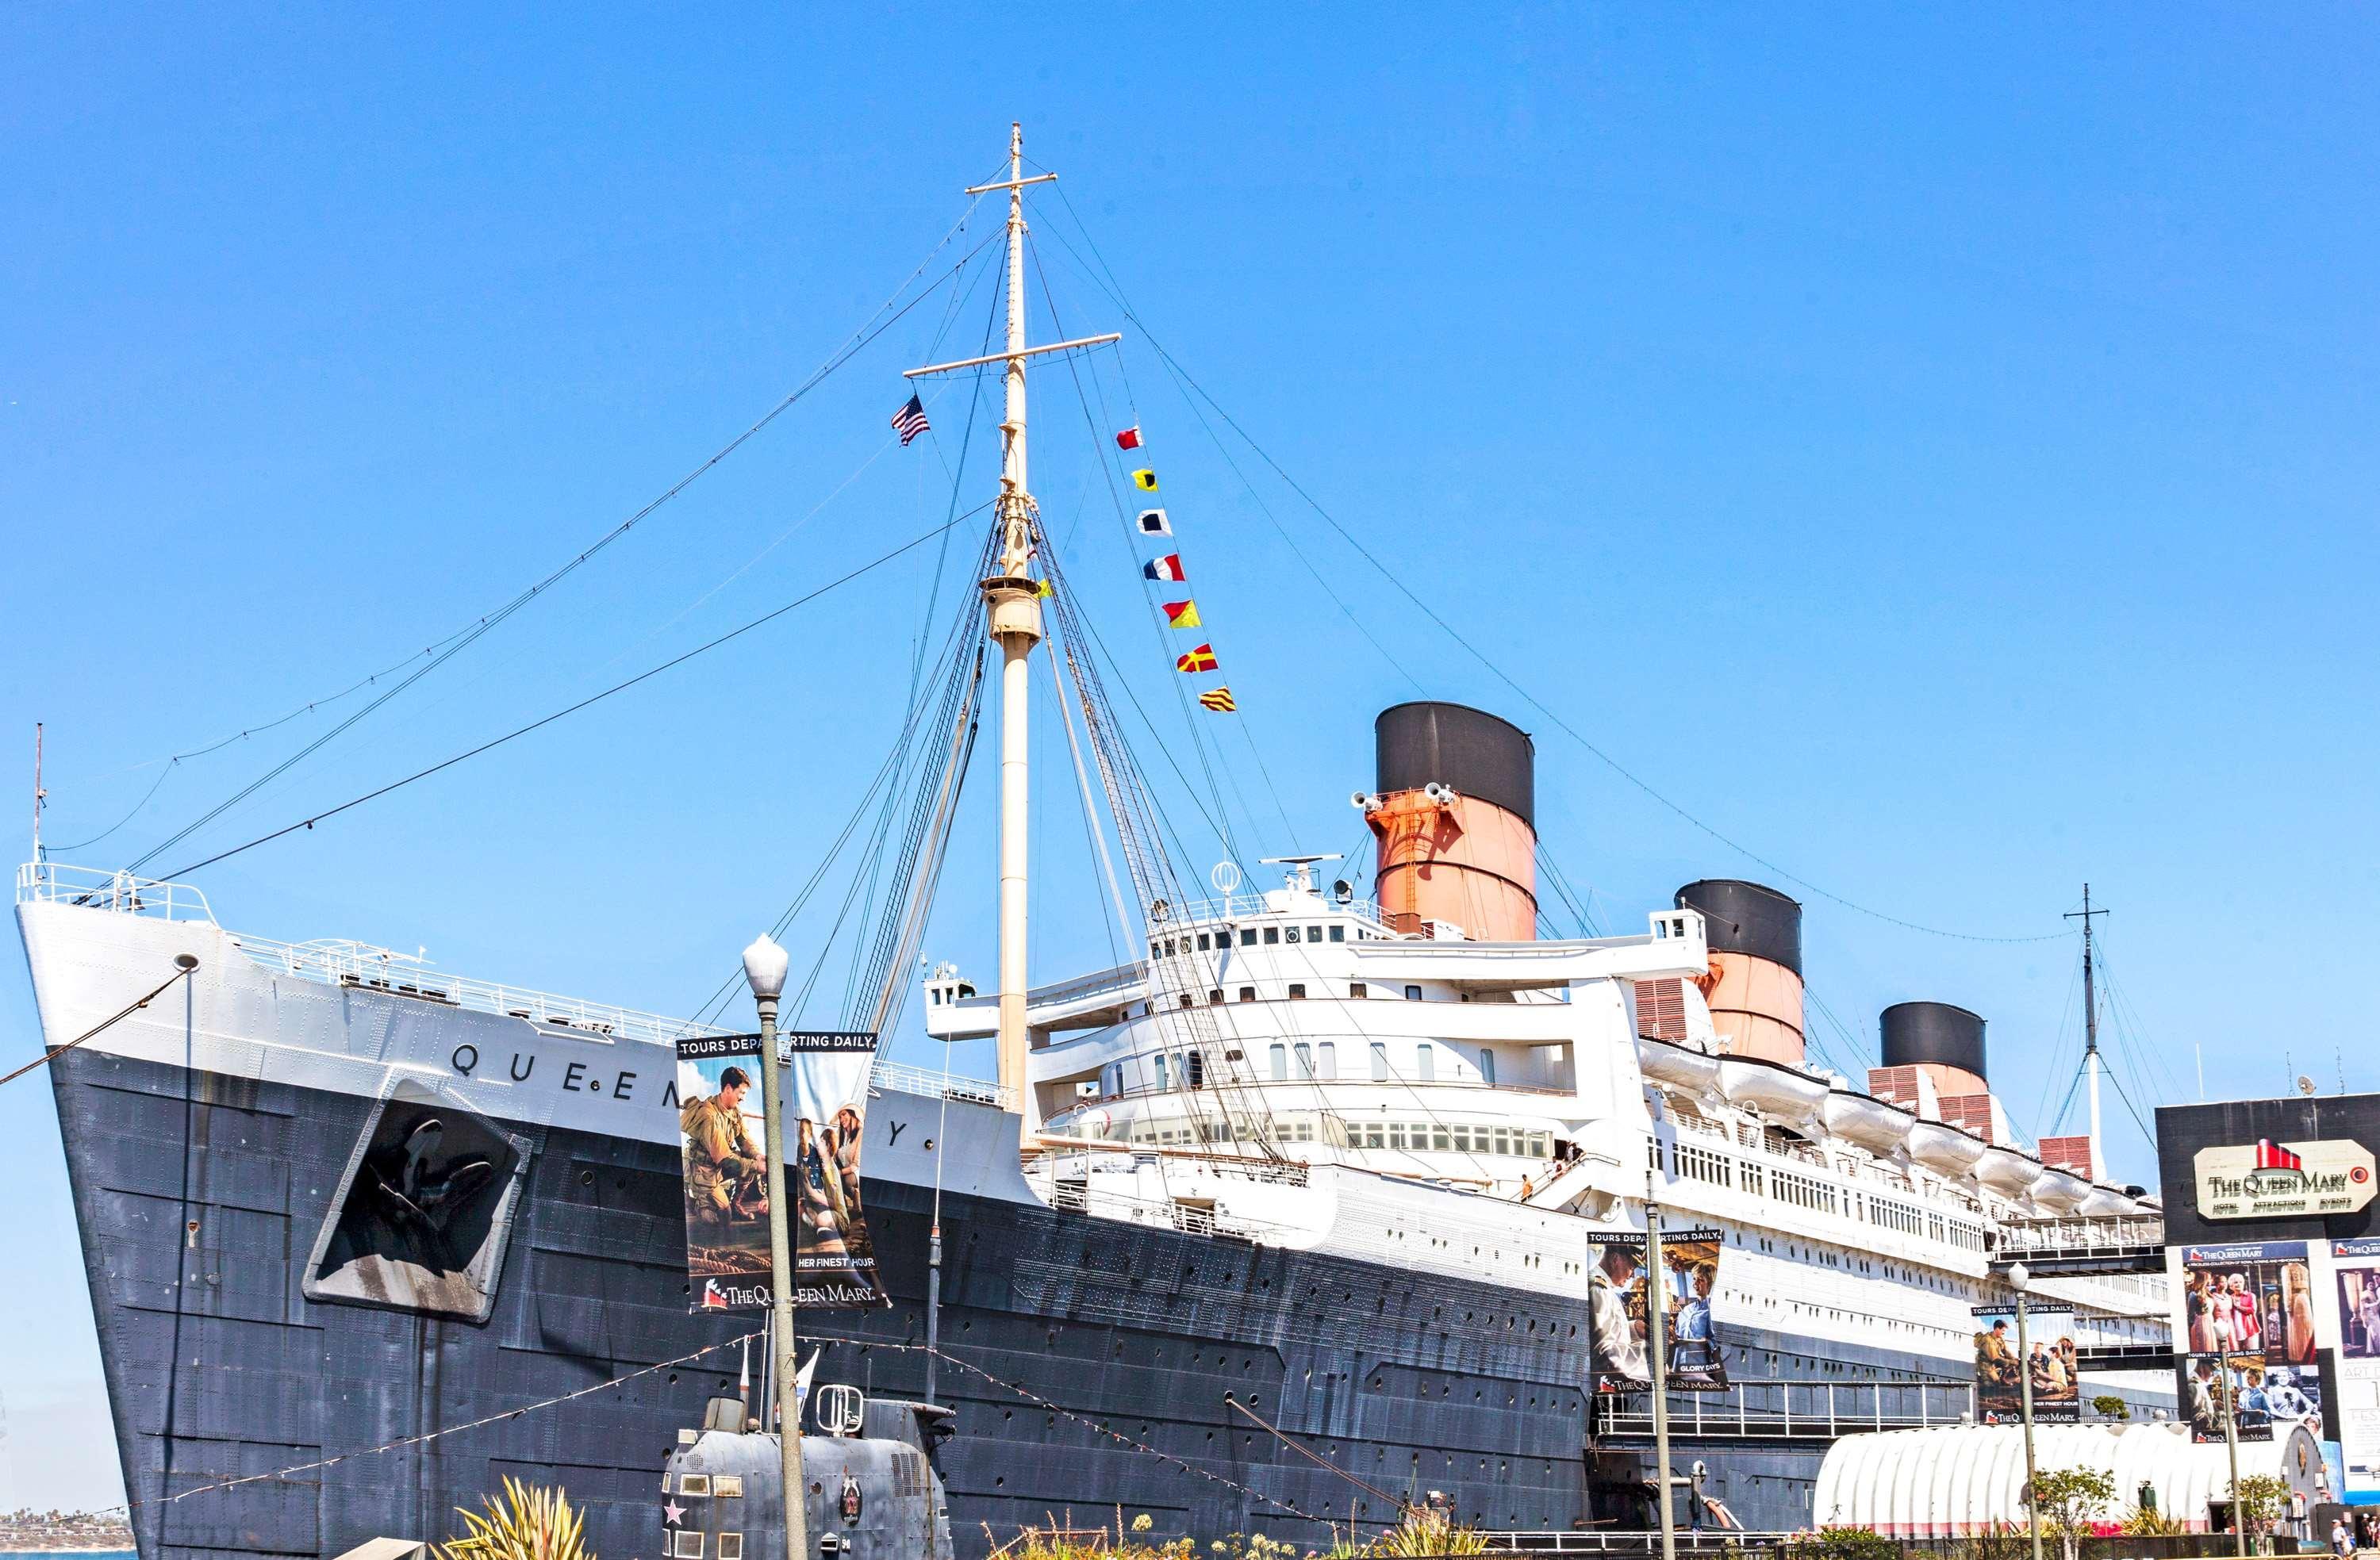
(465,1057)
(894,1136)
(570,1078)
(520,1074)
(623,1085)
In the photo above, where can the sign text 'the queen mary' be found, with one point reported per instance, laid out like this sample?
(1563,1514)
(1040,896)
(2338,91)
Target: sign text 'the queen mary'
(2269,1180)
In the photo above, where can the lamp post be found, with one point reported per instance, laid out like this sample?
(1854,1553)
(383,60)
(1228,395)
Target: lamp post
(2231,1451)
(764,966)
(1656,1340)
(2020,1279)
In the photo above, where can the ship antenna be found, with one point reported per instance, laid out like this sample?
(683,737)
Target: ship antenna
(40,795)
(1012,616)
(2090,1028)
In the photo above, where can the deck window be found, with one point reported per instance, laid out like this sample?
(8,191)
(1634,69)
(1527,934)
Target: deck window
(1248,994)
(1338,931)
(1486,1067)
(1325,1061)
(1248,936)
(1413,994)
(1305,1060)
(1379,1062)
(1272,935)
(1296,991)
(1426,1062)
(1357,988)
(1279,1062)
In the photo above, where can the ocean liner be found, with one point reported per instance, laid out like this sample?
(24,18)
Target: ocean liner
(1294,1215)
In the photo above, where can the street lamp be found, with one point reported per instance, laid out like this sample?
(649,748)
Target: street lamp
(2021,1280)
(765,963)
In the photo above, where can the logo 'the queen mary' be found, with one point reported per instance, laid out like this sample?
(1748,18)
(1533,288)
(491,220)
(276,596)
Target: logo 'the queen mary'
(2271,1155)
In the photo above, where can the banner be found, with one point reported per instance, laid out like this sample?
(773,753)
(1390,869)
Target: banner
(1621,1305)
(721,1132)
(2048,1357)
(2356,1267)
(2247,1309)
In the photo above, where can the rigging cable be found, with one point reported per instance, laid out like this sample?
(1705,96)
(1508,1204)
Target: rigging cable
(308,823)
(1175,367)
(455,645)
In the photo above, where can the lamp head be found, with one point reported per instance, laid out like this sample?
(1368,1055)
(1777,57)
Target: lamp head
(765,964)
(2019,1278)
(185,962)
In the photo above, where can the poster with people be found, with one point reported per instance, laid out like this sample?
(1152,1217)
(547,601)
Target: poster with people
(2044,1356)
(721,1133)
(2355,1270)
(1620,1305)
(2247,1324)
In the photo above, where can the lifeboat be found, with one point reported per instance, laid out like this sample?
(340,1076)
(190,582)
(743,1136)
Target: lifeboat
(1779,1091)
(2006,1171)
(1945,1148)
(1676,1064)
(2105,1202)
(1865,1120)
(2060,1191)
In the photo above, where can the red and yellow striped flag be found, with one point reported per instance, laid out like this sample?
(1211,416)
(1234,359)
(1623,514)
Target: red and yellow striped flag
(1218,699)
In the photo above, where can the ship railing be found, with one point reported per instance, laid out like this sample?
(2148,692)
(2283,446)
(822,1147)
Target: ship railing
(2081,1235)
(49,882)
(1794,1410)
(925,1081)
(1076,1195)
(1246,906)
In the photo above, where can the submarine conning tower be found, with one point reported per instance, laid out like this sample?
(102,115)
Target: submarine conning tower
(1755,987)
(1455,815)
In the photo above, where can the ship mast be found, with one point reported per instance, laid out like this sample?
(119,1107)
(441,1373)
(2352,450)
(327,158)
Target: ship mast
(1012,617)
(2090,1030)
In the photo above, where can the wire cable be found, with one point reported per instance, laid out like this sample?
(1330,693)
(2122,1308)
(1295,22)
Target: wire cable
(876,562)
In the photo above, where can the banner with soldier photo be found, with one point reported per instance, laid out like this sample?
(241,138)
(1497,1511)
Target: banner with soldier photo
(721,1135)
(1621,1305)
(2048,1358)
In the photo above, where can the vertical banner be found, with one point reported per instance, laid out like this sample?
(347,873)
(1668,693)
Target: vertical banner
(2355,1267)
(2049,1361)
(2246,1311)
(721,1135)
(1620,1306)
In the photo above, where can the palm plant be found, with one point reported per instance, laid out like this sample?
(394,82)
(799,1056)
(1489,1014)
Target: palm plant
(521,1524)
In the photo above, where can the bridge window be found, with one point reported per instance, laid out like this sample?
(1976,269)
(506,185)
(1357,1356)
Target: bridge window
(1197,1070)
(1379,1062)
(1338,933)
(1205,946)
(1216,995)
(1313,934)
(1248,994)
(1486,1067)
(1413,994)
(1325,1061)
(1160,1061)
(1357,988)
(1279,1062)
(1426,1061)
(1296,991)
(1248,936)
(1305,1060)
(1272,935)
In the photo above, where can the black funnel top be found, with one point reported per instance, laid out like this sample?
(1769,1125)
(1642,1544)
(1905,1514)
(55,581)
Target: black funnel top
(1934,1032)
(1748,918)
(1478,753)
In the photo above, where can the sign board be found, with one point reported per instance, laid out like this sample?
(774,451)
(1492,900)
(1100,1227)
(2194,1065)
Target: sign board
(1620,1302)
(2355,1275)
(2049,1360)
(2269,1180)
(720,1134)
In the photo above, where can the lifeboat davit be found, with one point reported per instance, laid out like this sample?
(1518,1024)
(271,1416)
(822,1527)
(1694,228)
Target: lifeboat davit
(1779,1091)
(2061,1191)
(1941,1147)
(2006,1171)
(1686,1068)
(1867,1120)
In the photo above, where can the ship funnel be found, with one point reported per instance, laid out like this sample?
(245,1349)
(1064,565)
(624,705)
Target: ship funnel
(1946,1042)
(1754,988)
(1455,818)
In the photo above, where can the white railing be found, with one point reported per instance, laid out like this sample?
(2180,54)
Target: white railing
(905,1079)
(1754,1408)
(44,882)
(1076,1197)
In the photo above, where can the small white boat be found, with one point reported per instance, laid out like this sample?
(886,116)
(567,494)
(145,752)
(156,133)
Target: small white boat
(1945,1148)
(2060,1191)
(1867,1120)
(1679,1065)
(2007,1171)
(1779,1091)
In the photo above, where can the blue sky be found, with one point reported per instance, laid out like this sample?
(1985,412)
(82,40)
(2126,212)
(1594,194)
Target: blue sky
(1930,448)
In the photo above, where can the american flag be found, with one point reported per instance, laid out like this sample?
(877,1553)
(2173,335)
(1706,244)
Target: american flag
(910,421)
(2271,1155)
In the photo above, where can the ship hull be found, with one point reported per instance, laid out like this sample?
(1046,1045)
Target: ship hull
(198,1196)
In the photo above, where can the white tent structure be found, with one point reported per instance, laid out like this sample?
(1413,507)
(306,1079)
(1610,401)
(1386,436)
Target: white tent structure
(1956,1480)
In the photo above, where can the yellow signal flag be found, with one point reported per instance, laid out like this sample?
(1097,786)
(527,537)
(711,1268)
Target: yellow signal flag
(1182,614)
(1145,479)
(1200,659)
(1219,700)
(1046,588)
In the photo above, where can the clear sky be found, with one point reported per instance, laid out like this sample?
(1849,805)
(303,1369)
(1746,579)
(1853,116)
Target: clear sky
(1932,448)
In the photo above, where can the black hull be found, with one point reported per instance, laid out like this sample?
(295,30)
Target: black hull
(219,1367)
